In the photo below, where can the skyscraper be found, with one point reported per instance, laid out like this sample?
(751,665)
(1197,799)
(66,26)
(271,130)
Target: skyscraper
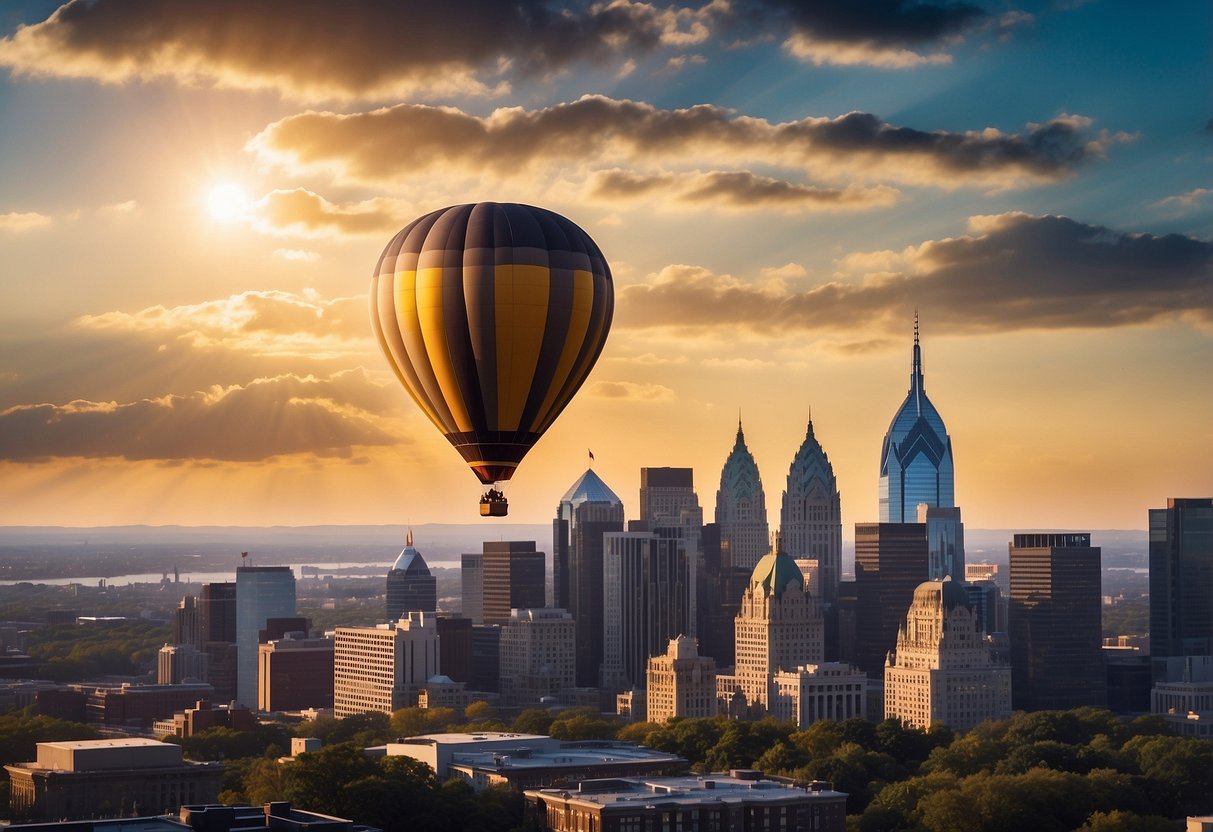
(890,563)
(538,655)
(1181,579)
(741,509)
(1055,623)
(471,583)
(668,501)
(410,585)
(217,622)
(916,459)
(945,541)
(587,511)
(780,627)
(647,587)
(513,578)
(262,592)
(942,669)
(810,521)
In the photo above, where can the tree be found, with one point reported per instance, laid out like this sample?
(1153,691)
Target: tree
(1120,821)
(532,721)
(583,724)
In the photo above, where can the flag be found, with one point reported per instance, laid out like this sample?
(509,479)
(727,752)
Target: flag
(591,453)
(244,554)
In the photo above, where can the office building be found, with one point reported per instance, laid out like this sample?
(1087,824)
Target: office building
(514,578)
(91,778)
(381,668)
(977,572)
(410,586)
(295,673)
(742,800)
(138,706)
(945,542)
(891,560)
(187,622)
(916,458)
(217,612)
(455,647)
(741,509)
(1057,660)
(588,500)
(486,657)
(262,593)
(203,717)
(176,663)
(810,521)
(779,627)
(943,670)
(1181,579)
(471,584)
(990,605)
(647,589)
(538,655)
(587,511)
(1184,695)
(668,501)
(680,683)
(831,691)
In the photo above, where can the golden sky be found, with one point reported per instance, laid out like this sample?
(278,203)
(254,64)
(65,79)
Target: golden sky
(193,198)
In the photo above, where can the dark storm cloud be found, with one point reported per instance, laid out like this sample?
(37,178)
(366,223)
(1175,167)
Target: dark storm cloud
(265,418)
(741,190)
(409,139)
(882,22)
(1013,272)
(338,50)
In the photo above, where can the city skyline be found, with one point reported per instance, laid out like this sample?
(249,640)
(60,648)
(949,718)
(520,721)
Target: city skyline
(189,224)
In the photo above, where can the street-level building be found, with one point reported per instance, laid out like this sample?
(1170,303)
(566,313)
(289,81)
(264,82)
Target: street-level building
(831,691)
(107,778)
(742,800)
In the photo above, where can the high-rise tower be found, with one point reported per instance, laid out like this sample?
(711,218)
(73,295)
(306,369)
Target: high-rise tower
(1181,578)
(916,459)
(262,593)
(810,522)
(741,509)
(587,511)
(410,585)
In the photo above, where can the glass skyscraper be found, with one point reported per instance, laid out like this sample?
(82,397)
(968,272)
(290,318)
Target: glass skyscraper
(262,592)
(916,460)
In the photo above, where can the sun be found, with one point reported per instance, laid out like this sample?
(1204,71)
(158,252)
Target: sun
(227,202)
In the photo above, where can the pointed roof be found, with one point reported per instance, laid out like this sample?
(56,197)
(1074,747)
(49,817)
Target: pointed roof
(811,464)
(917,428)
(739,477)
(590,488)
(410,560)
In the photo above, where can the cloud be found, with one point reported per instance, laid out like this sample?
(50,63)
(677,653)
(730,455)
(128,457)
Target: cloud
(741,190)
(18,222)
(1013,271)
(888,34)
(119,209)
(631,390)
(265,418)
(355,49)
(258,322)
(737,363)
(302,213)
(1184,201)
(382,146)
(295,255)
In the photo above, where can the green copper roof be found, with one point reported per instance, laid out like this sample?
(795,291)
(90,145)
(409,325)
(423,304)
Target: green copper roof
(774,572)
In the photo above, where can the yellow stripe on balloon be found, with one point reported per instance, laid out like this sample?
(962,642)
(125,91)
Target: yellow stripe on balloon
(521,303)
(409,323)
(579,322)
(393,348)
(432,320)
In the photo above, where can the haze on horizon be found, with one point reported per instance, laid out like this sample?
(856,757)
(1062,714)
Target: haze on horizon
(191,205)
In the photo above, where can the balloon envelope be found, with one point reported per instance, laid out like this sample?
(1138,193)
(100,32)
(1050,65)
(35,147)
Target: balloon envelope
(492,315)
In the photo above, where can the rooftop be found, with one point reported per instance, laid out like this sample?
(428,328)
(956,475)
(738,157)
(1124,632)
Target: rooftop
(685,790)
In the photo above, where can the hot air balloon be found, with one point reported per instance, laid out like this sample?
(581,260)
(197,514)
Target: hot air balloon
(492,315)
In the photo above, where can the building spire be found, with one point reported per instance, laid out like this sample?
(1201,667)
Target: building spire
(408,539)
(916,380)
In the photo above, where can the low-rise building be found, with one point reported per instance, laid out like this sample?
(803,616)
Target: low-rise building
(525,761)
(108,778)
(204,716)
(138,706)
(740,800)
(294,673)
(831,690)
(278,817)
